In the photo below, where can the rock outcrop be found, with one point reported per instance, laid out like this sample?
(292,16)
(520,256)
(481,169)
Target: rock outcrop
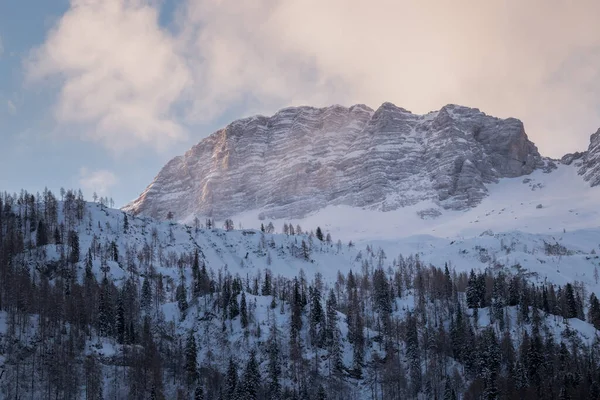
(304,158)
(590,160)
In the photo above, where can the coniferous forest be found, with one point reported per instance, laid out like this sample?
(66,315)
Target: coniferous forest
(99,304)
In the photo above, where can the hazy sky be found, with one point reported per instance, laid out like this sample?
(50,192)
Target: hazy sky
(99,94)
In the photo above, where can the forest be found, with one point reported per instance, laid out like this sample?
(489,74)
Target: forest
(176,325)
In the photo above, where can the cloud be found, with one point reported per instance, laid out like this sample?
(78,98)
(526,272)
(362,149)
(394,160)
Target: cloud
(136,82)
(99,181)
(120,73)
(12,109)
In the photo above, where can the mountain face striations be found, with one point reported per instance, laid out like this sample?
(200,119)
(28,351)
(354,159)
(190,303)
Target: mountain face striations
(303,158)
(588,161)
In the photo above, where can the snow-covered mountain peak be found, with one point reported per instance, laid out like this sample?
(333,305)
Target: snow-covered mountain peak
(303,159)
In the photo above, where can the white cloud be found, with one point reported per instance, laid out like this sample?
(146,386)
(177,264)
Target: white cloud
(534,60)
(12,109)
(120,71)
(99,181)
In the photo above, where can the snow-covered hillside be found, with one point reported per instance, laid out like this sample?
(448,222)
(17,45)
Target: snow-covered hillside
(517,235)
(538,203)
(270,299)
(239,251)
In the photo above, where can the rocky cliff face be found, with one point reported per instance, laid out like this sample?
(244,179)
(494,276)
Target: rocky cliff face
(588,161)
(304,158)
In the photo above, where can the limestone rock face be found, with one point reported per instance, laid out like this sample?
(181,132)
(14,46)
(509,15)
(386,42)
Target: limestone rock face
(590,160)
(303,158)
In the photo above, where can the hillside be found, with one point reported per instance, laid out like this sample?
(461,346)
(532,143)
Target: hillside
(156,309)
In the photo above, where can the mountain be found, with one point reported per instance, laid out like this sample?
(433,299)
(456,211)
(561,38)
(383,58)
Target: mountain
(303,159)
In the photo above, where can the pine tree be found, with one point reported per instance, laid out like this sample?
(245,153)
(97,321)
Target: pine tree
(594,312)
(232,380)
(181,296)
(447,283)
(105,311)
(296,318)
(319,233)
(146,300)
(498,300)
(120,324)
(472,292)
(196,284)
(266,289)
(252,379)
(125,223)
(191,354)
(243,312)
(41,234)
(199,393)
(316,317)
(74,245)
(449,393)
(234,307)
(571,311)
(489,362)
(274,366)
(305,251)
(321,393)
(413,353)
(331,317)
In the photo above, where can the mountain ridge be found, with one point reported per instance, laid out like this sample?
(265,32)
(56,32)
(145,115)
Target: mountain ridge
(302,159)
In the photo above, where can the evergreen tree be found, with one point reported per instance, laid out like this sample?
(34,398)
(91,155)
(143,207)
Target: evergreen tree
(413,354)
(296,318)
(232,380)
(498,301)
(472,292)
(199,393)
(41,234)
(191,354)
(234,307)
(105,311)
(120,324)
(181,296)
(274,366)
(571,311)
(489,362)
(318,233)
(74,245)
(125,224)
(316,317)
(252,379)
(332,318)
(243,311)
(146,300)
(321,393)
(305,251)
(449,393)
(594,312)
(266,288)
(447,283)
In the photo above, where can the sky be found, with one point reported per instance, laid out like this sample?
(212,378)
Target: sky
(100,94)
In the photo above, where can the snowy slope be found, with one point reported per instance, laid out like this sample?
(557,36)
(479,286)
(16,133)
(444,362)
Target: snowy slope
(567,202)
(519,241)
(246,251)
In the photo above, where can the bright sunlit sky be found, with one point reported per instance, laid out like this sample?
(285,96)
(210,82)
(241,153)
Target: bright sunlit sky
(100,94)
